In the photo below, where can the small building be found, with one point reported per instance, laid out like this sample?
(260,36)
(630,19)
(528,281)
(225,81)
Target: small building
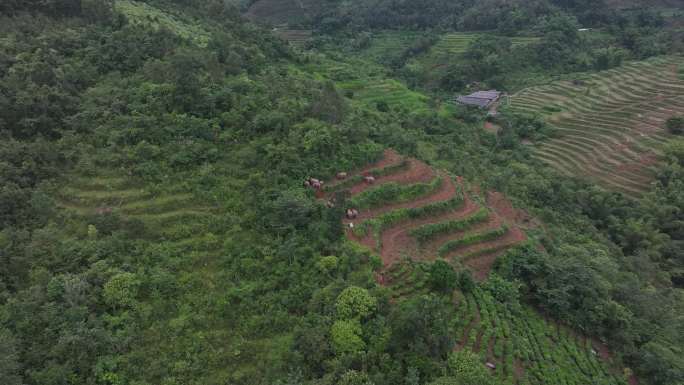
(482,99)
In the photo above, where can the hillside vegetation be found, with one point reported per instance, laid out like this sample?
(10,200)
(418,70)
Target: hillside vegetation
(156,227)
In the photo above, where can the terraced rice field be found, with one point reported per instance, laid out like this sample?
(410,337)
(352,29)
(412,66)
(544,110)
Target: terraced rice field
(610,124)
(414,211)
(455,44)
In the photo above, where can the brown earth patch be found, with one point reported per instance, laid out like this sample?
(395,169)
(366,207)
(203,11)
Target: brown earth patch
(417,172)
(397,240)
(389,158)
(503,207)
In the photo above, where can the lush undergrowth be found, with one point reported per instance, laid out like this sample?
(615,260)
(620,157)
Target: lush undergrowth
(154,227)
(523,347)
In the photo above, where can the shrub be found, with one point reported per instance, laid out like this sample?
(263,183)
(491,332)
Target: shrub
(675,125)
(394,193)
(386,220)
(430,231)
(355,302)
(471,239)
(442,276)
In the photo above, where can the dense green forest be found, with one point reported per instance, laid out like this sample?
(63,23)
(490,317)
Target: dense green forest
(154,228)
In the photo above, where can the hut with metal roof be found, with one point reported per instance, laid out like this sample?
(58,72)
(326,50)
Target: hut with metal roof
(482,99)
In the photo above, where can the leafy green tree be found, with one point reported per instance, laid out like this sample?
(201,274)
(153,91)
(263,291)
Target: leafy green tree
(442,278)
(346,336)
(503,290)
(420,327)
(353,377)
(9,359)
(121,290)
(355,303)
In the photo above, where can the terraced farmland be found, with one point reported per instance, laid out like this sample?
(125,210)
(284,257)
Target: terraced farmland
(164,216)
(297,38)
(415,211)
(524,347)
(610,124)
(375,90)
(448,46)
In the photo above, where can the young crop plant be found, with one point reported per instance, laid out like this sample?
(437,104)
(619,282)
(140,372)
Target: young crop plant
(428,232)
(471,239)
(384,221)
(394,193)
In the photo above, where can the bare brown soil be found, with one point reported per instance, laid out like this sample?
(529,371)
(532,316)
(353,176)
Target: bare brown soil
(389,158)
(504,208)
(417,172)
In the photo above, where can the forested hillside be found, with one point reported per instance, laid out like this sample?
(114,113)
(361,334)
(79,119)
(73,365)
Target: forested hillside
(155,227)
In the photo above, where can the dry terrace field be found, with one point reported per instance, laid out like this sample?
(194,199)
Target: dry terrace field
(610,124)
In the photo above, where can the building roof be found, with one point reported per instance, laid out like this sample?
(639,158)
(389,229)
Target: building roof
(479,98)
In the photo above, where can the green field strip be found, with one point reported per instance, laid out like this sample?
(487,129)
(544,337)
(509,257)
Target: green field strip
(393,192)
(157,204)
(468,239)
(95,198)
(100,183)
(486,251)
(168,217)
(382,222)
(582,150)
(430,231)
